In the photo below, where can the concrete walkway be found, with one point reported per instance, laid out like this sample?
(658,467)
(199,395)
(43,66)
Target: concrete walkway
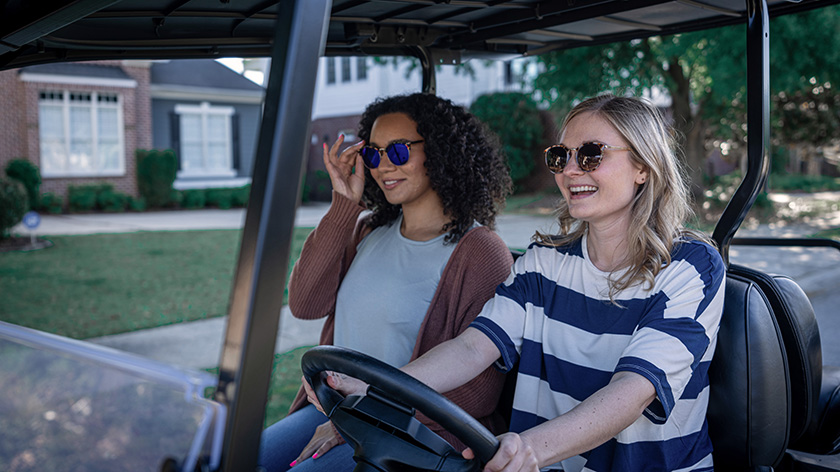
(198,344)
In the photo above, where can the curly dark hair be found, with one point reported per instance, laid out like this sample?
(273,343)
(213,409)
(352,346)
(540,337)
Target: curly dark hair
(463,161)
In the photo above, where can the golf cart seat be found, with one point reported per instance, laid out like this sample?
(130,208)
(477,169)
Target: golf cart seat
(769,391)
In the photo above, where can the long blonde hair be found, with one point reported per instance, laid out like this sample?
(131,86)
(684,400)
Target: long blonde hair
(662,203)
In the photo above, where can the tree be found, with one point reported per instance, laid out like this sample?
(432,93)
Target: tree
(515,119)
(703,72)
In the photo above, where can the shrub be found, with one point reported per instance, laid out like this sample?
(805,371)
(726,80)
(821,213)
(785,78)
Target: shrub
(803,183)
(51,203)
(111,201)
(240,195)
(29,175)
(85,197)
(220,197)
(13,204)
(193,199)
(136,204)
(156,172)
(515,119)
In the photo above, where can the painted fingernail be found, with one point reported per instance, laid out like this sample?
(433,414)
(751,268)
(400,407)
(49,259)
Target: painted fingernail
(293,463)
(315,456)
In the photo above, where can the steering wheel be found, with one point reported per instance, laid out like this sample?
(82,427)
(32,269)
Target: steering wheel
(381,426)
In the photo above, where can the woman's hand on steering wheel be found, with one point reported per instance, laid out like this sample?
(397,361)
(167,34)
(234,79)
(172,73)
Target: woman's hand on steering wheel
(342,383)
(514,455)
(347,170)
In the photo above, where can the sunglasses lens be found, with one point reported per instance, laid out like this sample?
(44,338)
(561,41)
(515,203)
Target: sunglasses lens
(555,158)
(371,157)
(398,153)
(589,157)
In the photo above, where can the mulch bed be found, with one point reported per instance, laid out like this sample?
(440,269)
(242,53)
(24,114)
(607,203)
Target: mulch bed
(23,243)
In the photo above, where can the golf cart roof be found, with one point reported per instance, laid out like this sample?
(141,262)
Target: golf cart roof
(39,32)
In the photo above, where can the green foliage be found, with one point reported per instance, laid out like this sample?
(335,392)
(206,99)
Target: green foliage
(51,203)
(514,117)
(316,186)
(803,183)
(29,175)
(220,197)
(193,199)
(240,195)
(156,171)
(136,204)
(13,205)
(704,73)
(110,201)
(83,198)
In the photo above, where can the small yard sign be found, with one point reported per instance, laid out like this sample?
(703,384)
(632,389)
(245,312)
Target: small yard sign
(31,219)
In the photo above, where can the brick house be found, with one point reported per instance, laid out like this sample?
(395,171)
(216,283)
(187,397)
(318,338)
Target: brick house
(81,123)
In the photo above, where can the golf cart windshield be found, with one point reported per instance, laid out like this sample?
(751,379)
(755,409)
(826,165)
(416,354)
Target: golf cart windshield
(68,405)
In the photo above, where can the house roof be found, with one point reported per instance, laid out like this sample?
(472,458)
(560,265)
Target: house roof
(201,73)
(78,70)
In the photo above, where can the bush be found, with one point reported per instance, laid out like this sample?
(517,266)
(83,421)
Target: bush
(136,204)
(515,119)
(240,196)
(13,204)
(193,199)
(156,171)
(803,183)
(29,175)
(220,197)
(82,198)
(51,203)
(111,201)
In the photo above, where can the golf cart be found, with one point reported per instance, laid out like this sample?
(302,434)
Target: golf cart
(774,405)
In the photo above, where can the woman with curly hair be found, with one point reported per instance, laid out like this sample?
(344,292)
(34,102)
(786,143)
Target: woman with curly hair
(613,322)
(413,272)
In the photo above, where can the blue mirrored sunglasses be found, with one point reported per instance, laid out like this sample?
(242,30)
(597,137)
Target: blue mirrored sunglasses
(397,152)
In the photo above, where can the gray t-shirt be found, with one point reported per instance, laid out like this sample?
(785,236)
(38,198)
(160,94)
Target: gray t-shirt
(386,292)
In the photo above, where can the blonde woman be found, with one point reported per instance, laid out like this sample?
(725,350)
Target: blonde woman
(613,322)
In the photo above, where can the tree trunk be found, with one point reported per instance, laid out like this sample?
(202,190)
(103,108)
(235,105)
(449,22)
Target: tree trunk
(690,126)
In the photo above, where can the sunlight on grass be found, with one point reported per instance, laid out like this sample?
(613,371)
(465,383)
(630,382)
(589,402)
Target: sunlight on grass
(829,234)
(96,285)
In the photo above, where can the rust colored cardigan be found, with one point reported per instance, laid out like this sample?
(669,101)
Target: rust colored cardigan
(479,263)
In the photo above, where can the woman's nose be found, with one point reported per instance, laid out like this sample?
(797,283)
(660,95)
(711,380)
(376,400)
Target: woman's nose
(572,167)
(385,163)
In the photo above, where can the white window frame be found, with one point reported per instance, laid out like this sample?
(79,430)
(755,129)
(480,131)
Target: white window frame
(67,171)
(204,110)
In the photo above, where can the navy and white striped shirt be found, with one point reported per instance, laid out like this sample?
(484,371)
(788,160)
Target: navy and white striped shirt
(553,316)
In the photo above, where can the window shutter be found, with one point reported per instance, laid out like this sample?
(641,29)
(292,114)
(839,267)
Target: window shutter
(234,126)
(175,135)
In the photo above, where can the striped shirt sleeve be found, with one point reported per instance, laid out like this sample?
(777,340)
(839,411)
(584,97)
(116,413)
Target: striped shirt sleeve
(679,326)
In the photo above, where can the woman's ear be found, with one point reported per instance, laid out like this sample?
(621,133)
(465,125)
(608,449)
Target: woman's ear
(641,177)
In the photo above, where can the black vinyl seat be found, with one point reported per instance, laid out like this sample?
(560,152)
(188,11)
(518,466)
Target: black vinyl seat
(749,404)
(769,389)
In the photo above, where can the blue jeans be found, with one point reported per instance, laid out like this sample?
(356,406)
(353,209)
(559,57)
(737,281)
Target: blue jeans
(283,441)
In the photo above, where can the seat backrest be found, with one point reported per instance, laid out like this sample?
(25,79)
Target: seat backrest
(798,324)
(749,404)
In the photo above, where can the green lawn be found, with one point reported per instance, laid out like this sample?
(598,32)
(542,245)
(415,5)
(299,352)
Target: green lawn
(96,285)
(285,382)
(829,233)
